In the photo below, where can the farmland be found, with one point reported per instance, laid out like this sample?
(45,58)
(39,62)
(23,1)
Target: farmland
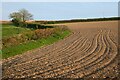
(90,51)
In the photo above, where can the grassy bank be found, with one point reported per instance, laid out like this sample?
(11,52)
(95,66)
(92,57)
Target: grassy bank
(9,30)
(21,48)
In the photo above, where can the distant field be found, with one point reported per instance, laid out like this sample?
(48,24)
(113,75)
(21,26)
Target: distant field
(78,20)
(4,22)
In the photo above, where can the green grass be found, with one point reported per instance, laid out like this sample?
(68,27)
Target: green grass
(21,48)
(9,30)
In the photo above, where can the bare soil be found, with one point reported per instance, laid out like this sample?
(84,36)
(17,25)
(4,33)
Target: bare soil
(89,52)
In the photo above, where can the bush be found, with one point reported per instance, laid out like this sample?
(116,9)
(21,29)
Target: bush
(33,35)
(19,23)
(16,22)
(22,24)
(37,26)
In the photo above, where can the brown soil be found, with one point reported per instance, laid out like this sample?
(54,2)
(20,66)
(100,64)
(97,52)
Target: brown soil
(90,51)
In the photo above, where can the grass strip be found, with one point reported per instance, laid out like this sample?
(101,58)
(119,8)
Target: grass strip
(21,48)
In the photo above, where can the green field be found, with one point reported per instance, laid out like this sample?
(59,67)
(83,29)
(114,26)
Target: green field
(9,30)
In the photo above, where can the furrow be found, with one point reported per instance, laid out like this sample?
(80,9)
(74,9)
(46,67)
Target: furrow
(59,68)
(44,67)
(82,63)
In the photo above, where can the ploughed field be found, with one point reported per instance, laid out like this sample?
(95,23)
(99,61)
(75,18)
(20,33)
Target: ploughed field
(90,51)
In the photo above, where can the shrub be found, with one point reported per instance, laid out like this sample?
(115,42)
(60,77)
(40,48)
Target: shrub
(33,35)
(16,22)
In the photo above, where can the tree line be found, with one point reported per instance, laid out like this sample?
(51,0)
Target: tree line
(78,20)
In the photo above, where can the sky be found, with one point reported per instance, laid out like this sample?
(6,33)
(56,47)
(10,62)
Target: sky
(62,10)
(60,0)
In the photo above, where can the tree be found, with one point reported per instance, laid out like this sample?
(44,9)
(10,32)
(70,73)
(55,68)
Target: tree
(25,15)
(15,16)
(22,15)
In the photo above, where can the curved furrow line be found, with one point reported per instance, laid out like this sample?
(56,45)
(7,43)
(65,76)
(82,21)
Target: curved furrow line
(51,56)
(17,58)
(97,74)
(110,71)
(64,52)
(82,63)
(8,65)
(87,45)
(72,50)
(106,60)
(113,69)
(73,62)
(26,67)
(69,53)
(12,61)
(69,39)
(113,45)
(33,67)
(81,48)
(82,51)
(23,65)
(110,57)
(51,64)
(77,42)
(114,37)
(91,47)
(64,42)
(79,59)
(61,41)
(98,60)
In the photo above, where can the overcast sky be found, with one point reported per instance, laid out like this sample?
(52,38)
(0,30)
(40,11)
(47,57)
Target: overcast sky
(62,10)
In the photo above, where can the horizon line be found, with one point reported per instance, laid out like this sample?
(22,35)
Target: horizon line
(70,19)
